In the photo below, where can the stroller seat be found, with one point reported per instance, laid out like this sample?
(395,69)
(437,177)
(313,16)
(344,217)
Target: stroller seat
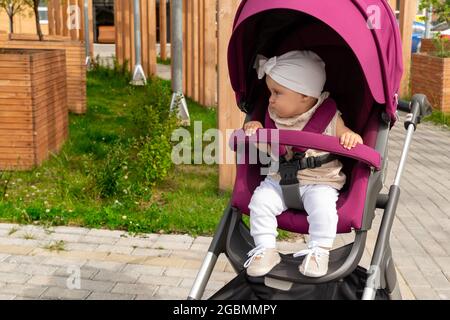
(351,204)
(352,198)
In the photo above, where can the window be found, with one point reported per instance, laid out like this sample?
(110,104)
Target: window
(43,15)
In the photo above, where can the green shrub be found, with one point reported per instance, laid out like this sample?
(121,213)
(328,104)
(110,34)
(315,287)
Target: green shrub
(111,175)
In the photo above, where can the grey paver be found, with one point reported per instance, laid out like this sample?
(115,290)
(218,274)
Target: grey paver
(28,291)
(14,277)
(130,288)
(110,296)
(105,265)
(66,294)
(424,293)
(116,276)
(144,270)
(168,292)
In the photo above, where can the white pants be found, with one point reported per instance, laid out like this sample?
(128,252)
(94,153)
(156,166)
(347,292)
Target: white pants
(267,203)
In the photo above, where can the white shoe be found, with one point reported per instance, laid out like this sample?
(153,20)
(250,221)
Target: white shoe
(261,260)
(315,264)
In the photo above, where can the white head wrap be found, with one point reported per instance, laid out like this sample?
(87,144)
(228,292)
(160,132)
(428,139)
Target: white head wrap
(300,71)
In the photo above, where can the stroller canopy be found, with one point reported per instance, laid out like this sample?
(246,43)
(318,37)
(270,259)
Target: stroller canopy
(367,28)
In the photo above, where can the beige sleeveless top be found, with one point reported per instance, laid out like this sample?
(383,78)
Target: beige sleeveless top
(329,173)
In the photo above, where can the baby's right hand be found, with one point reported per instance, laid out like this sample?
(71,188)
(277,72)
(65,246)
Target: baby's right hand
(251,127)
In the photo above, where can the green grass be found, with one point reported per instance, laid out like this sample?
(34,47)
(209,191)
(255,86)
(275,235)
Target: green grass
(161,61)
(440,118)
(62,191)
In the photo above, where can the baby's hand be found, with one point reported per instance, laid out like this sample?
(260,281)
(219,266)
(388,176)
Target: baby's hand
(251,127)
(350,139)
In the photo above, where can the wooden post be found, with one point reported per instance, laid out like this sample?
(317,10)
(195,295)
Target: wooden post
(118,29)
(126,34)
(185,46)
(151,14)
(80,4)
(57,16)
(195,51)
(72,19)
(201,52)
(91,27)
(51,18)
(65,16)
(144,33)
(133,56)
(393,4)
(229,116)
(189,49)
(408,9)
(210,53)
(163,28)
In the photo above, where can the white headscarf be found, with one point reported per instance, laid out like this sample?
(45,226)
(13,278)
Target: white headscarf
(300,71)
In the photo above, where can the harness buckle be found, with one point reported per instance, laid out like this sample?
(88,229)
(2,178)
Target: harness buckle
(313,162)
(288,171)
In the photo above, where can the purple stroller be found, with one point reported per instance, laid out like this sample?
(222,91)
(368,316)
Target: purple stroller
(360,44)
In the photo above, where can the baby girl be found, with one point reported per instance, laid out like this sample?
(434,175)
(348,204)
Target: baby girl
(296,81)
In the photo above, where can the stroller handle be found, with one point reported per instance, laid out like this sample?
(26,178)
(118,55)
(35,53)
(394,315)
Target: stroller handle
(308,140)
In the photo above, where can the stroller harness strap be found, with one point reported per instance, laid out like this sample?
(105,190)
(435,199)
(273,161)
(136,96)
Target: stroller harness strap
(288,169)
(317,124)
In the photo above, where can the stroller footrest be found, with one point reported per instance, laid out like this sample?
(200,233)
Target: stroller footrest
(287,269)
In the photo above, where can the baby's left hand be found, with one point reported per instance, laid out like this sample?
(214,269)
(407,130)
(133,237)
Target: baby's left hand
(350,139)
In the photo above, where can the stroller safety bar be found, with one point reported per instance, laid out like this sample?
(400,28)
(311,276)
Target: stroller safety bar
(418,108)
(307,140)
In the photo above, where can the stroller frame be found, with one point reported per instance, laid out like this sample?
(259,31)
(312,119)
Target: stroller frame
(233,238)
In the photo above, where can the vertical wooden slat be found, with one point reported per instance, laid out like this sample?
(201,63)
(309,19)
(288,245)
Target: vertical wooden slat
(393,4)
(58,17)
(91,27)
(51,18)
(126,34)
(118,29)
(229,116)
(145,34)
(132,44)
(80,4)
(72,19)
(115,23)
(189,92)
(210,53)
(185,46)
(152,37)
(194,52)
(163,28)
(408,10)
(65,21)
(201,48)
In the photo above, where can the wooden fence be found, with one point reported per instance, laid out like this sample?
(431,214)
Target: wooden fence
(66,18)
(200,51)
(125,37)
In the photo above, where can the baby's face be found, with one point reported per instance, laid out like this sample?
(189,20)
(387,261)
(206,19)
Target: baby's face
(286,103)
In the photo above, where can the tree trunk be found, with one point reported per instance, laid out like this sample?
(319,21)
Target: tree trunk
(38,23)
(11,24)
